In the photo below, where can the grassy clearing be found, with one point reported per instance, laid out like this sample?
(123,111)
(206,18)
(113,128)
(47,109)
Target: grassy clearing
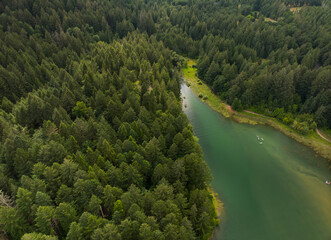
(295,9)
(314,141)
(270,20)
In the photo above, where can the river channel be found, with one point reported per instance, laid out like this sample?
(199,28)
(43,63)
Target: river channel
(272,187)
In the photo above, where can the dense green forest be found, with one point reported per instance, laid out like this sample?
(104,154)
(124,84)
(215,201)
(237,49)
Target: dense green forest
(279,67)
(94,144)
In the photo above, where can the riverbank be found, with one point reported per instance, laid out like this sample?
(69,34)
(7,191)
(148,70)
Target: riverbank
(321,146)
(218,204)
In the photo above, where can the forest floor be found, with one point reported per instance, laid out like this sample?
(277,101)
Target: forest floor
(319,144)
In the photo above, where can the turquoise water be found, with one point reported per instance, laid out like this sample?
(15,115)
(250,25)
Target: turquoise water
(273,190)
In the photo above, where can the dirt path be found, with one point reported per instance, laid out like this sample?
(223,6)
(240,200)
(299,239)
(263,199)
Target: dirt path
(320,134)
(261,115)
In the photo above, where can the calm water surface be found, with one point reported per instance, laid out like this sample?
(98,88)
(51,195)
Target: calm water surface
(273,190)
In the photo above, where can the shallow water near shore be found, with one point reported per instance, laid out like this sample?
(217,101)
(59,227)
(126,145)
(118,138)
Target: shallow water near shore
(272,188)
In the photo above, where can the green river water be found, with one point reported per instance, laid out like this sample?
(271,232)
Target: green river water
(273,190)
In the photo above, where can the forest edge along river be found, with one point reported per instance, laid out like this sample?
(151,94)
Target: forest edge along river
(272,188)
(314,141)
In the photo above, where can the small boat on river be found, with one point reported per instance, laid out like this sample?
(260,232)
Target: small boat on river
(260,139)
